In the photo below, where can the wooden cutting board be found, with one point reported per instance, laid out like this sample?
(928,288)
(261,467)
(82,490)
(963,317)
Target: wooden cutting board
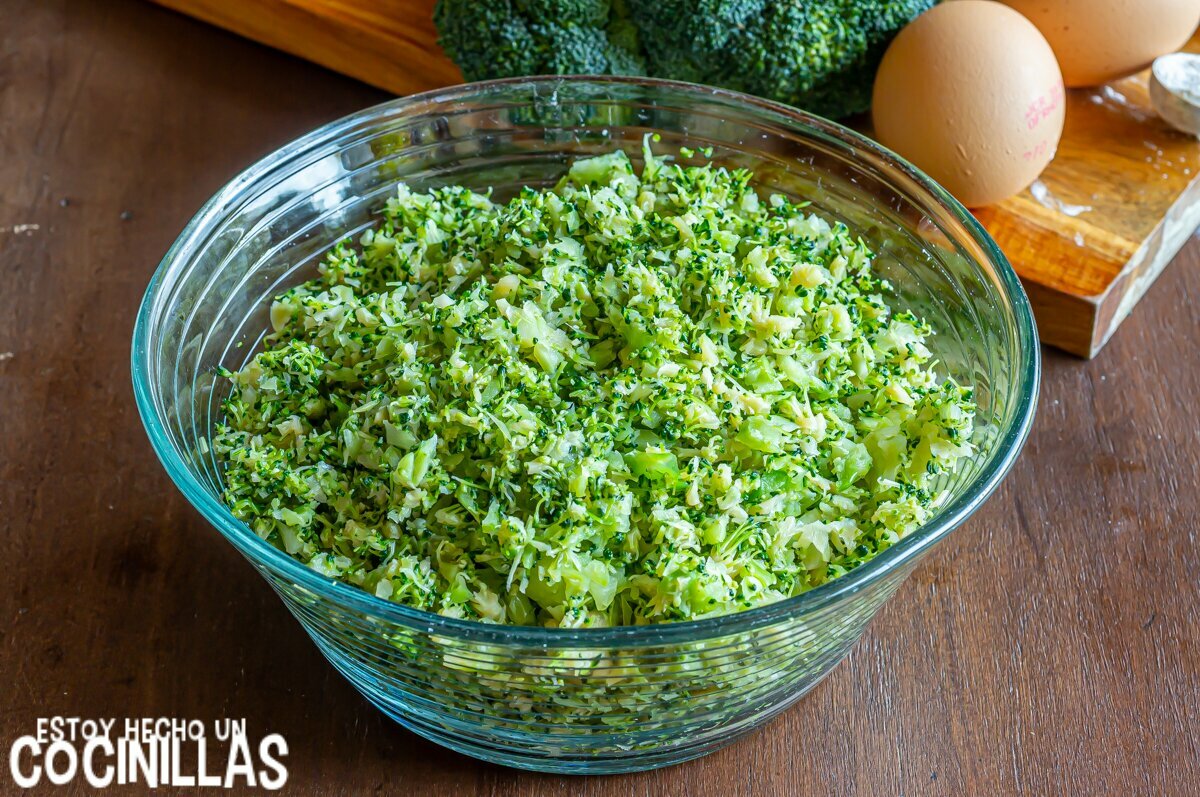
(1088,238)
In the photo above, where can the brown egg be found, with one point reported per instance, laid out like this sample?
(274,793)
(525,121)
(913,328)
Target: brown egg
(970,93)
(1101,40)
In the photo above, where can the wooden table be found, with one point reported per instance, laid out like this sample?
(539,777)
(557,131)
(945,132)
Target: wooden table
(1052,645)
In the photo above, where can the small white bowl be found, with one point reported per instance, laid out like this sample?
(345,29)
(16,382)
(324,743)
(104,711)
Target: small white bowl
(1175,90)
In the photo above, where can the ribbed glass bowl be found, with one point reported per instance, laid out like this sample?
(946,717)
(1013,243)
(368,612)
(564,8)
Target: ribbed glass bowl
(593,700)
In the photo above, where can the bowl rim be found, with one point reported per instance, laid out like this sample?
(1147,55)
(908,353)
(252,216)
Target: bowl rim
(266,556)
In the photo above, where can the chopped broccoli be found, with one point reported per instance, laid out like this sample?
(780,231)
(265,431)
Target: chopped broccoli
(819,55)
(636,397)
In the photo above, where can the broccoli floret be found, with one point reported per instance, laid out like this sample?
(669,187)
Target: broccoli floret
(820,55)
(589,13)
(486,40)
(508,38)
(624,51)
(690,39)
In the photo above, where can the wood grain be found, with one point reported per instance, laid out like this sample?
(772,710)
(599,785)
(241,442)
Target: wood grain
(1112,209)
(1050,647)
(391,44)
(1105,218)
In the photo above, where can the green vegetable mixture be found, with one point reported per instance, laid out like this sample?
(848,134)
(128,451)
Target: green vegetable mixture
(630,399)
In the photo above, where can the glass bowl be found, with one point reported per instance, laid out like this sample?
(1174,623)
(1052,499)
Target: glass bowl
(592,700)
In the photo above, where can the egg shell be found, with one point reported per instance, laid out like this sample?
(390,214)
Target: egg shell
(970,92)
(1096,41)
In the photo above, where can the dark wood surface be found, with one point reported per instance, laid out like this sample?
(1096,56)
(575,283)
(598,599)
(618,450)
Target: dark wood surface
(1050,646)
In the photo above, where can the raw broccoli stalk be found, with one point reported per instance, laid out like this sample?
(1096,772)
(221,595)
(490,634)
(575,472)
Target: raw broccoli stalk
(820,55)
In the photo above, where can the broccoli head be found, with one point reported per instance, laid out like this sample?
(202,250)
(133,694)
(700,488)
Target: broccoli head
(508,38)
(690,39)
(819,55)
